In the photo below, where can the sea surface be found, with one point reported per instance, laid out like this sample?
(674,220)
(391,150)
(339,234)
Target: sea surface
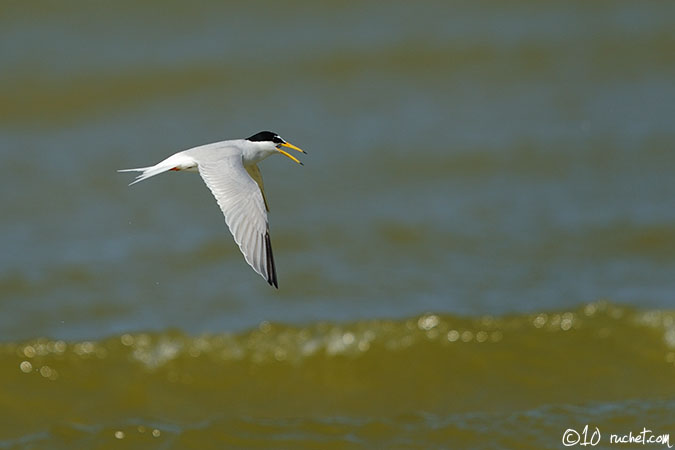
(479,251)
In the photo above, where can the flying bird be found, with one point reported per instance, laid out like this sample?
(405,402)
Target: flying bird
(230,170)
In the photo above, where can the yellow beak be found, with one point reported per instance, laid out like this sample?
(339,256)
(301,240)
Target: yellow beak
(289,145)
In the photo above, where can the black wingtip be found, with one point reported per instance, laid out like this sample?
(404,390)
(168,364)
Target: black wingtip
(271,268)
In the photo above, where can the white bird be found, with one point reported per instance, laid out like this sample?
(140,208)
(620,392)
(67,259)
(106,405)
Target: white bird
(230,171)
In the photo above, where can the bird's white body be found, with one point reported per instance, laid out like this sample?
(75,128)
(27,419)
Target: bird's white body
(230,171)
(188,160)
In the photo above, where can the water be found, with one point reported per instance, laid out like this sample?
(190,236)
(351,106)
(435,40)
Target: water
(479,167)
(429,381)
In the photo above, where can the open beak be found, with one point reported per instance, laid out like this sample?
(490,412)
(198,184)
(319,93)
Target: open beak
(289,145)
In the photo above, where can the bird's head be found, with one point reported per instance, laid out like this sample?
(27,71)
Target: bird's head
(267,143)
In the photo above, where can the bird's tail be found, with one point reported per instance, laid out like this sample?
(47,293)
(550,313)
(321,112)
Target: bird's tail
(146,172)
(174,162)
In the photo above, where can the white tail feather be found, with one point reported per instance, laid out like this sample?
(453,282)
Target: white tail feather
(179,161)
(147,172)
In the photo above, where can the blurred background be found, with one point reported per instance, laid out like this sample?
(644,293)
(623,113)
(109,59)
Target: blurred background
(465,160)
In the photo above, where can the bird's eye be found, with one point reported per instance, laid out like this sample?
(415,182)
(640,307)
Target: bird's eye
(277,140)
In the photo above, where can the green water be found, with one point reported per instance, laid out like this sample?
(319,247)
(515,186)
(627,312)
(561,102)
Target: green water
(478,252)
(428,381)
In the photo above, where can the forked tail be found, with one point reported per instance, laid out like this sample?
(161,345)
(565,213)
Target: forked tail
(179,161)
(146,172)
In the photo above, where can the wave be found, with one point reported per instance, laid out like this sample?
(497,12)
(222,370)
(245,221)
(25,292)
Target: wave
(446,356)
(378,372)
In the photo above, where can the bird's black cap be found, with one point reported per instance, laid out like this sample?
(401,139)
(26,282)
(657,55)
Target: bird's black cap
(266,136)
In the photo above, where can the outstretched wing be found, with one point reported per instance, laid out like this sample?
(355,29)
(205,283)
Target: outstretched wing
(242,202)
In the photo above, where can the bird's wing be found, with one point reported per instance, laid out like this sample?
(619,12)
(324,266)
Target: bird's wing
(254,171)
(241,200)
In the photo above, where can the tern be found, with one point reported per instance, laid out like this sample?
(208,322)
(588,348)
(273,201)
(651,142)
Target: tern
(230,170)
